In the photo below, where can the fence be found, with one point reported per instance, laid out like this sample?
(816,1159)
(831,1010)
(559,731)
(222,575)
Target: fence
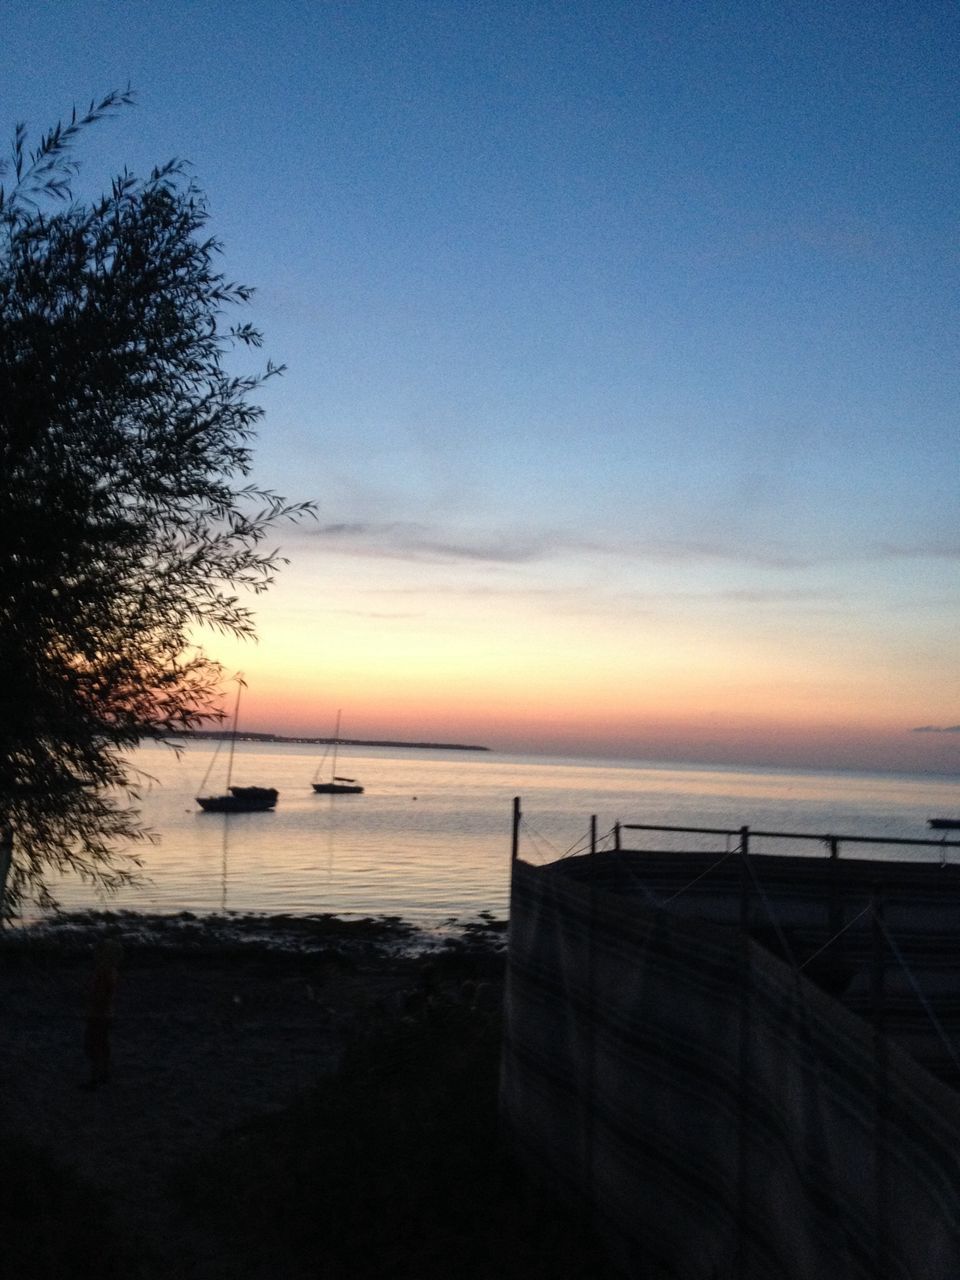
(719,1114)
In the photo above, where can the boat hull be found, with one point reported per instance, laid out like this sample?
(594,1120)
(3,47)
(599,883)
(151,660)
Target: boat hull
(944,824)
(336,789)
(241,800)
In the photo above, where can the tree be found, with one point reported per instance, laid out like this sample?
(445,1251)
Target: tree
(126,519)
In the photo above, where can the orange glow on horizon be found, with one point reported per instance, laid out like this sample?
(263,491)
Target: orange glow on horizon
(666,688)
(634,733)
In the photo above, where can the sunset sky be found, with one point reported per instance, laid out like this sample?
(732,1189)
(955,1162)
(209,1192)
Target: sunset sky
(622,353)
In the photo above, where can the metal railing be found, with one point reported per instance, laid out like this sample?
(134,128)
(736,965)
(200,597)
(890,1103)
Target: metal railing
(744,834)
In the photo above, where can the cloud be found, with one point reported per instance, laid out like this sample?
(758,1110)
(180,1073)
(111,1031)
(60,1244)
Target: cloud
(421,542)
(408,540)
(375,615)
(933,551)
(770,596)
(344,529)
(682,552)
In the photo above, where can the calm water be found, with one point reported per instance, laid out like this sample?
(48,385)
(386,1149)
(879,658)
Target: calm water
(430,838)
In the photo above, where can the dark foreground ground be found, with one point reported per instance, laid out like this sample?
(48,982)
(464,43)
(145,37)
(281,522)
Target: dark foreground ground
(288,1099)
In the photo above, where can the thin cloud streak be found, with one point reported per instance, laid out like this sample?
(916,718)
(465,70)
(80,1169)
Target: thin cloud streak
(418,543)
(935,551)
(424,543)
(761,596)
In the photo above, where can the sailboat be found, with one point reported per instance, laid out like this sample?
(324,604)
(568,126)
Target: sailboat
(237,799)
(335,786)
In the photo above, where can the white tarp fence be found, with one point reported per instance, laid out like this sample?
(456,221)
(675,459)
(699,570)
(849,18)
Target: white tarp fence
(718,1114)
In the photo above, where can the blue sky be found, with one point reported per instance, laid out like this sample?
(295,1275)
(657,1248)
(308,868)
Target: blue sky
(621,343)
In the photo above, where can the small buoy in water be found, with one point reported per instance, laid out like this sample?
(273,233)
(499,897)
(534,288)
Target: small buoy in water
(414,797)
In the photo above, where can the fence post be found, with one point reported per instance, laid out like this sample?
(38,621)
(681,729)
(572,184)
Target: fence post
(744,880)
(743,1092)
(880,1082)
(6,858)
(835,914)
(515,845)
(593,833)
(616,836)
(877,961)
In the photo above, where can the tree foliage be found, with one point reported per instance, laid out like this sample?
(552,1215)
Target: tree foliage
(126,516)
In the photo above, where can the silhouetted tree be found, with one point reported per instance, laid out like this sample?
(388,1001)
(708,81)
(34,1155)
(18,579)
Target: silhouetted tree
(125,518)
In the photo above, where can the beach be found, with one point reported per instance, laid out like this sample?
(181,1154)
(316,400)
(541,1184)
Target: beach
(217,1022)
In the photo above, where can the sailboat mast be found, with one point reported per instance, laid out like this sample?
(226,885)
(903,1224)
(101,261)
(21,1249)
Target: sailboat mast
(336,742)
(233,735)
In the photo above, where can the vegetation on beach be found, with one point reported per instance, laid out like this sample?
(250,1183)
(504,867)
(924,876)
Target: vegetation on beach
(53,1224)
(394,1168)
(390,1166)
(223,935)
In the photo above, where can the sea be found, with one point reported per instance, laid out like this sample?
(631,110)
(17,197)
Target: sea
(429,840)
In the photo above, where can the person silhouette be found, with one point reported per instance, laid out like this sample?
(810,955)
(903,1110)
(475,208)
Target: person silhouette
(96,1043)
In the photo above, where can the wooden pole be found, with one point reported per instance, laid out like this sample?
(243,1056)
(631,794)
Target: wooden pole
(616,836)
(743,1110)
(744,880)
(593,833)
(835,914)
(6,859)
(515,845)
(881,1135)
(877,965)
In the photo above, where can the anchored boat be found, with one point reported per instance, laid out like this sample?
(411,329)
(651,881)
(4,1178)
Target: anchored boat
(334,785)
(237,799)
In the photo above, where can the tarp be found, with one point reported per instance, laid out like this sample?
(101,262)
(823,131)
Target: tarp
(718,1115)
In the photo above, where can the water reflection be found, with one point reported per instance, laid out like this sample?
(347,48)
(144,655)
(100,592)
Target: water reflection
(223,865)
(447,853)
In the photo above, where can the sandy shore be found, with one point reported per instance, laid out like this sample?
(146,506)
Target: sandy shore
(216,1021)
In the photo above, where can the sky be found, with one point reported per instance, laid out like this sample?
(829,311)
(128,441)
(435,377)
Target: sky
(621,346)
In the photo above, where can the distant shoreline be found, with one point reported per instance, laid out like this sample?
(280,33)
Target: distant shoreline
(328,742)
